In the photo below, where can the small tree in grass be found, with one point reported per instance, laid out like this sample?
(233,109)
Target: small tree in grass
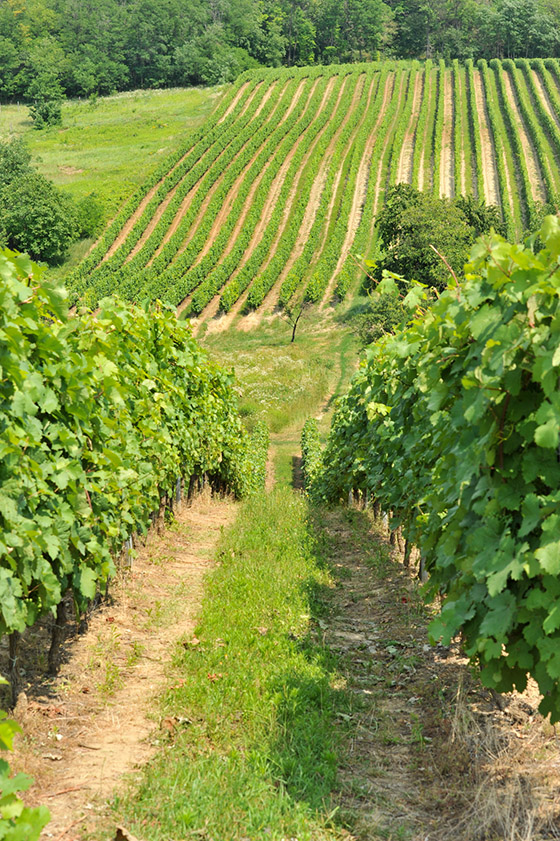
(46,94)
(293,313)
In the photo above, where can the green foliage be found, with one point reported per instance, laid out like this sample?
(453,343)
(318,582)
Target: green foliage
(311,460)
(90,215)
(17,822)
(15,162)
(297,174)
(380,315)
(454,425)
(410,223)
(37,218)
(252,466)
(101,415)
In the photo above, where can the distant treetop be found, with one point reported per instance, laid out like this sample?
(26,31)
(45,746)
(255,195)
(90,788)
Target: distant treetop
(103,46)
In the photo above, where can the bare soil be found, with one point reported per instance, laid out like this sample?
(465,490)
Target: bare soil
(356,209)
(240,93)
(489,170)
(223,322)
(379,174)
(404,172)
(131,222)
(431,754)
(226,207)
(313,203)
(531,161)
(464,128)
(94,724)
(446,174)
(545,98)
(428,84)
(185,204)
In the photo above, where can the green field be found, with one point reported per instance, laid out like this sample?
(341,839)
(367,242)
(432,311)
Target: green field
(109,146)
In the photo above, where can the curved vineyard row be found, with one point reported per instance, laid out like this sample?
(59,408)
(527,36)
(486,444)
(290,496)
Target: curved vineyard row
(278,191)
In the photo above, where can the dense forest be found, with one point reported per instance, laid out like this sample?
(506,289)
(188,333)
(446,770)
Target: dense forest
(55,48)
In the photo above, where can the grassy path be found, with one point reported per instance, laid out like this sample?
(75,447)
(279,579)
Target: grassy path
(94,722)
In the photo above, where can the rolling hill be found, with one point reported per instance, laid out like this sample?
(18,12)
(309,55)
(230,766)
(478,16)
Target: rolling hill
(279,189)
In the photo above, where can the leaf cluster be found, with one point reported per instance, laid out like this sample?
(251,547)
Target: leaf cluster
(412,221)
(453,423)
(35,216)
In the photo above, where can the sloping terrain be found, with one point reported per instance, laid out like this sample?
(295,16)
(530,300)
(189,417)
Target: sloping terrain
(279,189)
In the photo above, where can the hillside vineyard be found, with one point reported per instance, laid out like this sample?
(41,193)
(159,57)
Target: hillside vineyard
(278,191)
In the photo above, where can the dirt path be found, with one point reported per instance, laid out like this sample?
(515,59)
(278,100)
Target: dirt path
(186,201)
(428,85)
(489,170)
(185,204)
(538,188)
(210,313)
(446,175)
(430,755)
(231,197)
(133,219)
(315,195)
(459,110)
(545,98)
(404,172)
(237,97)
(88,727)
(223,322)
(356,209)
(379,175)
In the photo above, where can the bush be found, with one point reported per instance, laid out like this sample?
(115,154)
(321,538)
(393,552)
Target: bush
(90,216)
(37,218)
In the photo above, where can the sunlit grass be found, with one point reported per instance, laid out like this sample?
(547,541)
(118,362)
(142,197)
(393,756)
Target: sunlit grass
(110,145)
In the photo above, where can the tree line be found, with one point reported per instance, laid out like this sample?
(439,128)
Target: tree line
(55,48)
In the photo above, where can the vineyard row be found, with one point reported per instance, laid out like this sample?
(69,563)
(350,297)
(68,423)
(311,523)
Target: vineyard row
(278,191)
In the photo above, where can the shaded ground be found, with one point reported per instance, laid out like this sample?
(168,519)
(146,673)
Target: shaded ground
(430,753)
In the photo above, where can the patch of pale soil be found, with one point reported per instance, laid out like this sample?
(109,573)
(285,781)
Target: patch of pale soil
(240,93)
(273,294)
(90,726)
(387,134)
(428,84)
(232,195)
(355,215)
(404,170)
(153,222)
(69,170)
(249,322)
(545,99)
(431,754)
(489,170)
(446,176)
(250,99)
(538,189)
(464,127)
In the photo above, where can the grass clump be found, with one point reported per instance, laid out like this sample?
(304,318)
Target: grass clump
(254,750)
